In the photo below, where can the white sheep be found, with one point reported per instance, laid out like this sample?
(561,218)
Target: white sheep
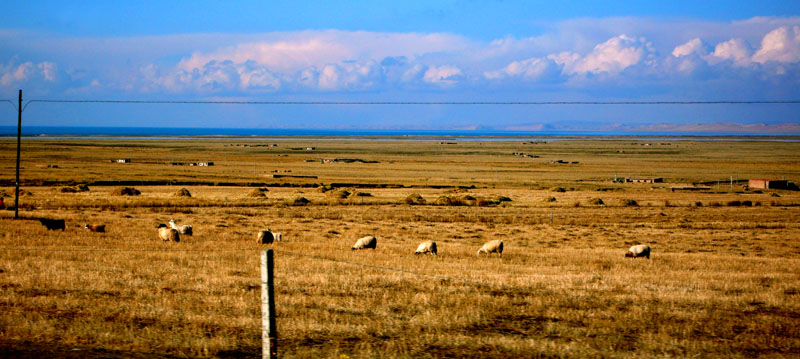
(168,234)
(641,250)
(493,246)
(426,247)
(183,229)
(366,242)
(267,237)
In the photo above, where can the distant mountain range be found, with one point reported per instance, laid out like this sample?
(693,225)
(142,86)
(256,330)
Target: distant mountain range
(710,128)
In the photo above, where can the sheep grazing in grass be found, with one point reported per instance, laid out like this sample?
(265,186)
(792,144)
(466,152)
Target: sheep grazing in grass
(168,234)
(366,242)
(641,250)
(267,237)
(493,246)
(95,227)
(427,247)
(181,228)
(53,224)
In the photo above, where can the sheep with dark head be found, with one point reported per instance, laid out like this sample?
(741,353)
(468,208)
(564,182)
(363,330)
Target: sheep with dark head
(366,242)
(427,247)
(267,237)
(182,229)
(493,246)
(641,250)
(168,234)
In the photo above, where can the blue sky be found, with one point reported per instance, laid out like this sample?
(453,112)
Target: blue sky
(406,51)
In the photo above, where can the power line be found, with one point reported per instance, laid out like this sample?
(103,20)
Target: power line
(415,103)
(11,102)
(720,102)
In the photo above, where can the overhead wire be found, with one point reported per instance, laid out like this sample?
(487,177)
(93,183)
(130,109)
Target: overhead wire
(713,102)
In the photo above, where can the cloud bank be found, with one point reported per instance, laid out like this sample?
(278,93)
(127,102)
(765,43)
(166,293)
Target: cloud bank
(581,59)
(346,61)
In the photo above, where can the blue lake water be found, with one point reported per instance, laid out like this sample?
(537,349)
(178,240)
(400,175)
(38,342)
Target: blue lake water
(464,135)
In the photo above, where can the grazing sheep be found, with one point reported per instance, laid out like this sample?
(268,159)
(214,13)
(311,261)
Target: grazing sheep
(427,247)
(183,228)
(493,246)
(53,224)
(267,237)
(641,250)
(366,242)
(168,234)
(95,227)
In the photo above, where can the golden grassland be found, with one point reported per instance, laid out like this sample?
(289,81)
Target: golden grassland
(723,280)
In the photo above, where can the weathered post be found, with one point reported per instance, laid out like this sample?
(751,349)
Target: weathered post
(19,141)
(269,334)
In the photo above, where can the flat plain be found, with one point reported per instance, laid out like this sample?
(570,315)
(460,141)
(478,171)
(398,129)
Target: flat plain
(723,280)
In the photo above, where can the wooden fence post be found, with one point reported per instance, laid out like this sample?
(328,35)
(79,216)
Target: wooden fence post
(269,334)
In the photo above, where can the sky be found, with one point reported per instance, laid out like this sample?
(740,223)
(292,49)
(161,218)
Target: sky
(428,51)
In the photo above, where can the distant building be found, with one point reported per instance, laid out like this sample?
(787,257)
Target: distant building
(124,160)
(638,180)
(768,183)
(646,180)
(205,164)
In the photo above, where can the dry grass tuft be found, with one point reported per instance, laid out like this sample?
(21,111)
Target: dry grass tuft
(414,199)
(260,192)
(596,201)
(627,202)
(338,194)
(183,192)
(126,191)
(300,201)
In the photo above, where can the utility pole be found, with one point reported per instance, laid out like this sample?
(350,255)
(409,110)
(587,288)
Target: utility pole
(19,146)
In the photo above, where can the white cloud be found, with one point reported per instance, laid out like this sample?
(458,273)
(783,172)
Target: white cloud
(693,46)
(780,45)
(564,59)
(28,71)
(359,60)
(415,73)
(443,75)
(736,50)
(612,56)
(529,69)
(296,51)
(348,76)
(213,77)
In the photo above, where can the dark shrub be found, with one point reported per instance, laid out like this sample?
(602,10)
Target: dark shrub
(183,192)
(258,192)
(596,201)
(126,191)
(300,201)
(629,202)
(414,199)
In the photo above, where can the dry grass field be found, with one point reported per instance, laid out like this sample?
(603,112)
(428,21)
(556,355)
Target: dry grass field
(723,280)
